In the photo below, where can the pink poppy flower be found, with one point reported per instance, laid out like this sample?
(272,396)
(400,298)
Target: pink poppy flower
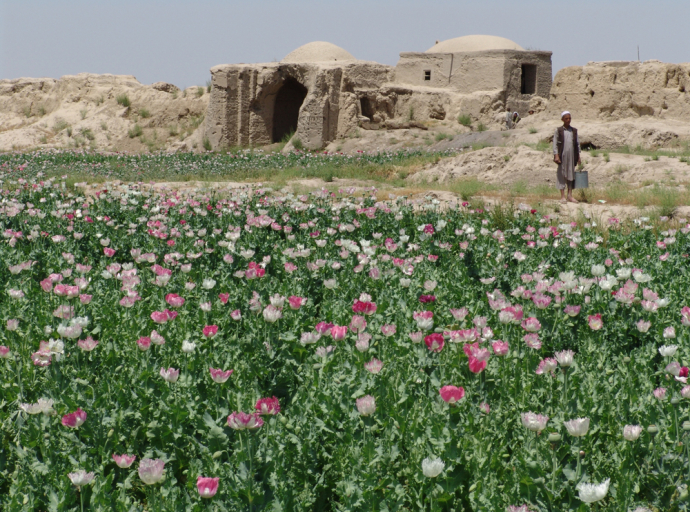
(290,267)
(174,300)
(4,352)
(475,365)
(484,407)
(541,301)
(425,299)
(572,310)
(151,471)
(374,366)
(296,302)
(267,406)
(224,297)
(324,327)
(532,340)
(338,332)
(210,331)
(88,344)
(85,298)
(144,343)
(12,324)
(434,341)
(362,343)
(245,421)
(43,357)
(459,314)
(685,316)
(500,348)
(161,317)
(108,252)
(124,461)
(358,324)
(531,324)
(219,376)
(424,319)
(74,419)
(416,337)
(474,350)
(170,375)
(595,322)
(547,365)
(451,394)
(388,329)
(207,487)
(236,315)
(660,393)
(366,308)
(366,406)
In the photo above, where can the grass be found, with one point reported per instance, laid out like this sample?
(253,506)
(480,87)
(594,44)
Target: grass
(87,134)
(123,100)
(41,110)
(481,127)
(60,124)
(532,130)
(297,144)
(209,85)
(443,136)
(481,145)
(144,113)
(200,91)
(207,144)
(83,113)
(465,120)
(135,131)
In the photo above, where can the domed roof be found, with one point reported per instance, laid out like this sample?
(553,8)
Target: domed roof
(474,44)
(318,51)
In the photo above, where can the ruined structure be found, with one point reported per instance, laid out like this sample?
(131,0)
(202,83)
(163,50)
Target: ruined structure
(623,90)
(320,92)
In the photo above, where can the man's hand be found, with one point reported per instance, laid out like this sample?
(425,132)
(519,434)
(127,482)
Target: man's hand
(557,159)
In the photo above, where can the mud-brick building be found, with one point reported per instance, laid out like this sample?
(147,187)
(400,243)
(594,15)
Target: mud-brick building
(320,92)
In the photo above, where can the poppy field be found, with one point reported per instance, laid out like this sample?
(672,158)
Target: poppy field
(256,350)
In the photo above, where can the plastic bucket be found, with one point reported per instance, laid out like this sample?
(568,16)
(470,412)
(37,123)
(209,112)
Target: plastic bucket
(581,179)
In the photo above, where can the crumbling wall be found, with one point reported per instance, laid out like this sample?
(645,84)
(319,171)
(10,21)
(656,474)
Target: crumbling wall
(619,90)
(241,109)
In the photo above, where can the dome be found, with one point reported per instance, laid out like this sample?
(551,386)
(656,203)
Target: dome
(474,44)
(318,51)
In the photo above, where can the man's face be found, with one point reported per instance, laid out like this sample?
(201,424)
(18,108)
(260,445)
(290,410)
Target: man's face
(566,120)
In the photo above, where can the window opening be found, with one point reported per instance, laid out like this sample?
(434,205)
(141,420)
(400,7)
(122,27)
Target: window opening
(427,75)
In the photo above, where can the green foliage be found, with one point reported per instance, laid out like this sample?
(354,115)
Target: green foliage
(465,120)
(144,113)
(207,144)
(532,130)
(123,100)
(135,131)
(60,124)
(319,452)
(200,91)
(443,136)
(209,85)
(481,127)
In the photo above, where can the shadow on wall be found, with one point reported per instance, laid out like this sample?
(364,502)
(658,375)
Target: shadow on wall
(286,110)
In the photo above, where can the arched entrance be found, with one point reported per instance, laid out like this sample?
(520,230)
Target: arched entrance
(286,109)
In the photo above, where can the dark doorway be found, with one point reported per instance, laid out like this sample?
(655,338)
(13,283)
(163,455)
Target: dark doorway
(367,109)
(529,79)
(286,110)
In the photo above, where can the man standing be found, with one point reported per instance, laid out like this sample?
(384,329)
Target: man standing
(566,153)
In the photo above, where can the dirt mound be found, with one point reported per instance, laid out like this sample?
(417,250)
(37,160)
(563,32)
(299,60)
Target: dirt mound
(508,165)
(105,112)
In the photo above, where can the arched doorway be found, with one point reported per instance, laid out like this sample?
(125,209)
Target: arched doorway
(286,109)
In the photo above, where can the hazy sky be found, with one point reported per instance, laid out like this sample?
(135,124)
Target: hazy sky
(178,41)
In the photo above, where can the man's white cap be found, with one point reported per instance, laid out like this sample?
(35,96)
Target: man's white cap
(565,113)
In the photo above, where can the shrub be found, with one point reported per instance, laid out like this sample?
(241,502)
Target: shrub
(60,124)
(297,144)
(465,120)
(207,144)
(532,130)
(199,91)
(135,131)
(144,113)
(481,127)
(209,85)
(123,100)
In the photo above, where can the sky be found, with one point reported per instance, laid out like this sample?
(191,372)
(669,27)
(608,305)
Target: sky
(178,41)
